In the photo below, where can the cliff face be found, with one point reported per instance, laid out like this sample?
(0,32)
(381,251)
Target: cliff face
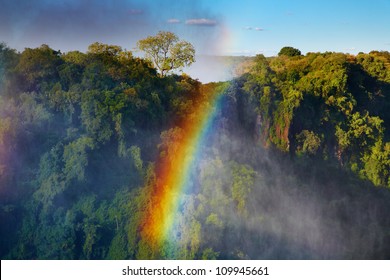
(328,105)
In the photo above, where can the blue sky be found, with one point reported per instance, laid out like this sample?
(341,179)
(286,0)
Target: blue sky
(230,27)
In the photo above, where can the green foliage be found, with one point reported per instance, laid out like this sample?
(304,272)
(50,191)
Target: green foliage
(80,134)
(355,142)
(309,142)
(209,254)
(305,104)
(61,114)
(376,64)
(8,60)
(38,65)
(136,155)
(166,52)
(76,159)
(377,164)
(32,112)
(289,51)
(104,50)
(243,181)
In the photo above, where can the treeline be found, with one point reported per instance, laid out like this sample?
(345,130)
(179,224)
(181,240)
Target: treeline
(303,142)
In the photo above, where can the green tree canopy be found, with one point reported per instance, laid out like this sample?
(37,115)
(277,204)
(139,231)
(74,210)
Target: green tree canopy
(289,51)
(166,52)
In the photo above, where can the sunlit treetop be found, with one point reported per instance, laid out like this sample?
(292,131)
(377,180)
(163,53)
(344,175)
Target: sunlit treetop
(167,52)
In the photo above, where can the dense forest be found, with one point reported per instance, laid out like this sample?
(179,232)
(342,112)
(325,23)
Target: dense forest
(298,167)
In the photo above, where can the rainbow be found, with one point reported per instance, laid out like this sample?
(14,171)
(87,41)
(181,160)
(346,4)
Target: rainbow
(176,166)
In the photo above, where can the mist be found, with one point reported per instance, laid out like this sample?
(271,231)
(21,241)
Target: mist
(81,136)
(290,210)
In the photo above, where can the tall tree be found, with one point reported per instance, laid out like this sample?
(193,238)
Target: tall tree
(166,52)
(289,51)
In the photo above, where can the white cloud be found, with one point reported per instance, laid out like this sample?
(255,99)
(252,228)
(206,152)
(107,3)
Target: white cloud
(201,21)
(173,20)
(251,28)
